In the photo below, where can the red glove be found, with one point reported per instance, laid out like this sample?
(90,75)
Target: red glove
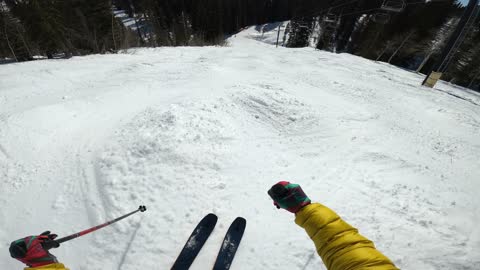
(33,250)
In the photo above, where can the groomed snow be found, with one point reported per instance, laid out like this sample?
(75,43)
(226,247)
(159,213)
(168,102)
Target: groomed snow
(188,131)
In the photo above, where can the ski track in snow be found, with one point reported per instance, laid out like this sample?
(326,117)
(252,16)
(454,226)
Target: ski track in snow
(188,131)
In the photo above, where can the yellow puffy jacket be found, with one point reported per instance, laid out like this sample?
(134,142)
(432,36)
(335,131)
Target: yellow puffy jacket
(53,266)
(340,245)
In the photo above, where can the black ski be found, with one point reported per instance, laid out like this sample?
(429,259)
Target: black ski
(230,244)
(195,242)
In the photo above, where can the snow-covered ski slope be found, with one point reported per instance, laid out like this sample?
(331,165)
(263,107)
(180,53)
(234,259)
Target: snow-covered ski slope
(188,131)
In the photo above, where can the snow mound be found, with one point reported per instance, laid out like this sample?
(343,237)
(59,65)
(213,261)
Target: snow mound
(185,138)
(277,109)
(169,158)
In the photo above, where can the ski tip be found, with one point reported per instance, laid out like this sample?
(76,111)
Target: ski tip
(240,219)
(211,217)
(142,208)
(240,223)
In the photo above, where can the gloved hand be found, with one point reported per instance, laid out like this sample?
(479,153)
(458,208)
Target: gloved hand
(48,240)
(33,250)
(288,196)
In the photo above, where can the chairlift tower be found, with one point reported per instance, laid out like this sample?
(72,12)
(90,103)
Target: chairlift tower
(329,28)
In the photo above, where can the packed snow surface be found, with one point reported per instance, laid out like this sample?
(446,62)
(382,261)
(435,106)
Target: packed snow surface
(189,131)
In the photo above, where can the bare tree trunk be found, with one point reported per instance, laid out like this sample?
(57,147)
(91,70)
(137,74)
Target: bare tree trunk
(95,42)
(151,37)
(399,47)
(24,42)
(10,46)
(6,35)
(185,29)
(113,29)
(278,34)
(140,38)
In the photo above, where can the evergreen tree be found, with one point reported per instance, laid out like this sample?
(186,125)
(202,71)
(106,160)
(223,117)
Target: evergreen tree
(300,31)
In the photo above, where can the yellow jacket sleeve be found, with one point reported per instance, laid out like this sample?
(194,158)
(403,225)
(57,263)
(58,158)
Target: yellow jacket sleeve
(53,266)
(340,245)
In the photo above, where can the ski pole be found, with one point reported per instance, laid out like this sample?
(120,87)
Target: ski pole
(51,244)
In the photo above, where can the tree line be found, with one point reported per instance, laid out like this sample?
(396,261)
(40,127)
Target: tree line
(50,28)
(412,38)
(33,28)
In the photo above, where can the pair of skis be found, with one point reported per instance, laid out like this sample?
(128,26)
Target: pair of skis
(200,235)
